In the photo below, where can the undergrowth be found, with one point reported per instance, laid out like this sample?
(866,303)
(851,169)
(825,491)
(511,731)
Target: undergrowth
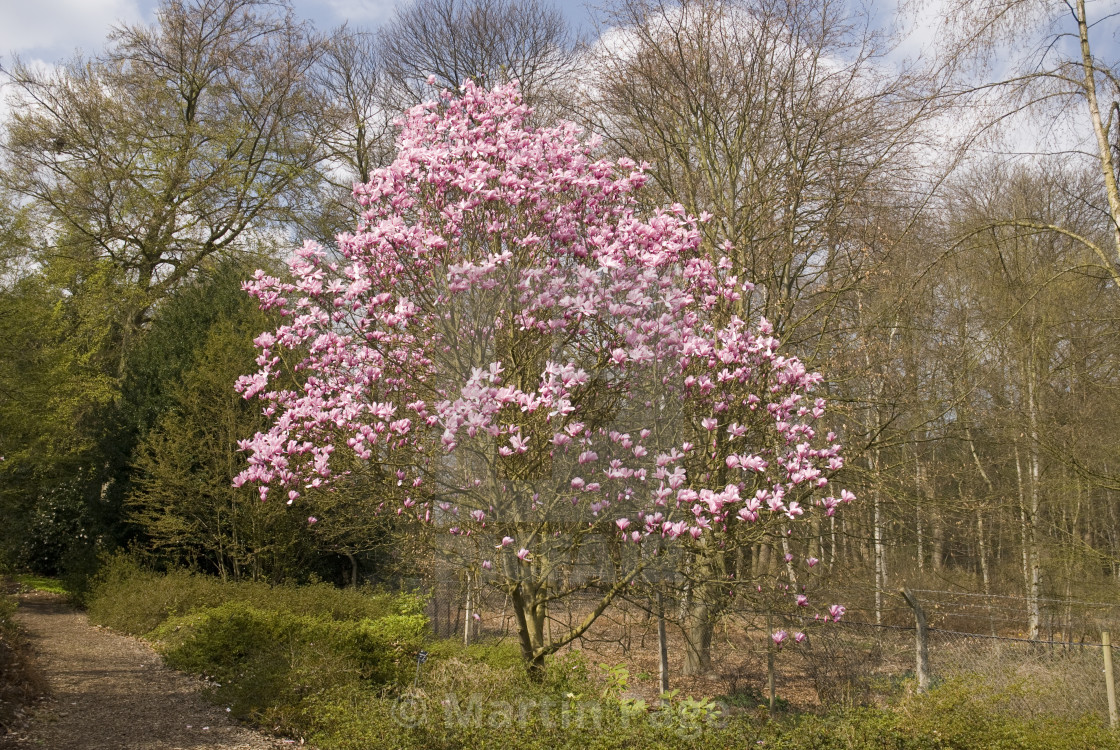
(338,669)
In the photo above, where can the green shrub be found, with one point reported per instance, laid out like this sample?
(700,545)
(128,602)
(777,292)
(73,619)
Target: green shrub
(130,598)
(385,648)
(953,716)
(266,660)
(337,667)
(968,713)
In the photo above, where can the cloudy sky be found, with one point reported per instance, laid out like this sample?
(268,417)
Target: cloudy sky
(50,30)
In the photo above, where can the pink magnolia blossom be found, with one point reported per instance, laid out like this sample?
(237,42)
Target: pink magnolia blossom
(502,285)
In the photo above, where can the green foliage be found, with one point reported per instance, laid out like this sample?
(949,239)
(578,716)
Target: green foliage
(138,185)
(133,599)
(40,583)
(499,655)
(58,525)
(261,659)
(336,666)
(176,339)
(953,716)
(967,713)
(53,384)
(750,698)
(265,649)
(180,400)
(179,403)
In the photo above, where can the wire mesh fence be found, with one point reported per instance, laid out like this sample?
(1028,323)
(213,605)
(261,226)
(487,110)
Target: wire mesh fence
(1031,677)
(978,642)
(856,662)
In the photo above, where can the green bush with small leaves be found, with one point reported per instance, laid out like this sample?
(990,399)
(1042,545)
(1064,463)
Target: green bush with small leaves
(132,599)
(338,668)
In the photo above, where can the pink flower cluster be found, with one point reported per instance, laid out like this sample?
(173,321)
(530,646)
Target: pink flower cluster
(508,333)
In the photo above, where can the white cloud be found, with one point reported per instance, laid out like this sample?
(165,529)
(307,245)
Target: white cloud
(364,12)
(51,30)
(10,97)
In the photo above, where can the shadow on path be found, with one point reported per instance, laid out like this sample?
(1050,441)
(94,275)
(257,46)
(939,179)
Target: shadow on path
(112,692)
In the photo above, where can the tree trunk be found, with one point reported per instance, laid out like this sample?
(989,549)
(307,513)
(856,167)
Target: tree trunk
(698,639)
(1024,523)
(467,617)
(1101,131)
(353,569)
(789,561)
(1034,619)
(530,616)
(937,545)
(920,487)
(983,547)
(880,562)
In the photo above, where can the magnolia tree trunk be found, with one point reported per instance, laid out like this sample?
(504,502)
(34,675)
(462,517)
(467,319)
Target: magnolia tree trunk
(530,614)
(698,638)
(709,601)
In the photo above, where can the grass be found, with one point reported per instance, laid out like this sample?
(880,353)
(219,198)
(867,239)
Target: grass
(29,582)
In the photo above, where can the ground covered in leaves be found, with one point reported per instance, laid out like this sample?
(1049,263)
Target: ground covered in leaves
(112,692)
(21,683)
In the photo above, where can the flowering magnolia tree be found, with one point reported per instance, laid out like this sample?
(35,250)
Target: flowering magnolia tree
(538,371)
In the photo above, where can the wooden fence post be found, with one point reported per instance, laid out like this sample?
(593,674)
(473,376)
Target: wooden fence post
(662,646)
(770,645)
(467,617)
(922,641)
(1109,683)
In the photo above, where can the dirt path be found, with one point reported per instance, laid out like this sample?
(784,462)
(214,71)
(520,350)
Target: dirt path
(112,692)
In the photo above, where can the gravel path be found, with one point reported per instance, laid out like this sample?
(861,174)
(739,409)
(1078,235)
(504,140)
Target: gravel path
(112,692)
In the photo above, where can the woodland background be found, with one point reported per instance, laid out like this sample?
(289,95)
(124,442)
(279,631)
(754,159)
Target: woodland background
(935,230)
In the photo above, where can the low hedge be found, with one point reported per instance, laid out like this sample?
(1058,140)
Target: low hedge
(337,668)
(129,598)
(260,661)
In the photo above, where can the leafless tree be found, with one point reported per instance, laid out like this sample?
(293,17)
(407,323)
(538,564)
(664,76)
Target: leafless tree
(489,41)
(1042,59)
(357,129)
(774,117)
(779,120)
